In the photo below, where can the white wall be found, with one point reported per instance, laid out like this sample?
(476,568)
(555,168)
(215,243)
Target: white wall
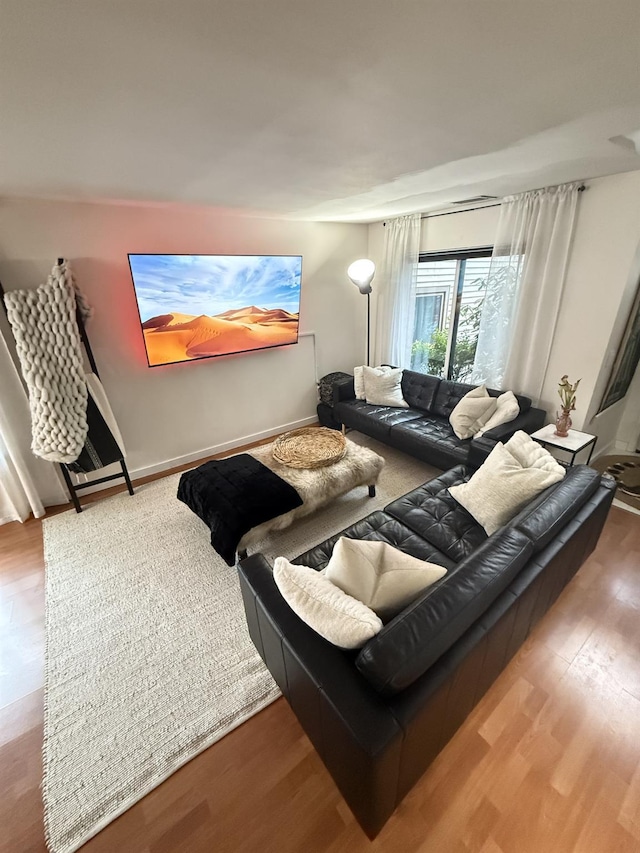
(598,291)
(180,412)
(440,233)
(463,230)
(599,287)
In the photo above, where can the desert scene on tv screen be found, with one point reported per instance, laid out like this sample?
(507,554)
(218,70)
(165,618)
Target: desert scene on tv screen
(198,306)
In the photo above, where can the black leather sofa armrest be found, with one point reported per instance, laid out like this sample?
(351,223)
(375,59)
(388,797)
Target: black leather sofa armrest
(355,733)
(479,449)
(344,391)
(529,422)
(330,669)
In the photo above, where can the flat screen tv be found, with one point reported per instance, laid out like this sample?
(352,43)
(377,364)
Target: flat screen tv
(202,306)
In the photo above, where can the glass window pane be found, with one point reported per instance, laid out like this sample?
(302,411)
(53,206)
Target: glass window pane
(474,288)
(427,321)
(436,286)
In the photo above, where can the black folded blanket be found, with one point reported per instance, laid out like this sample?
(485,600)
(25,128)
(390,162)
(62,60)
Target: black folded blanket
(233,495)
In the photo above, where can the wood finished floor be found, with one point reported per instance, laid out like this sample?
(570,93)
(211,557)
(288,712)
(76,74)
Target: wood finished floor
(548,762)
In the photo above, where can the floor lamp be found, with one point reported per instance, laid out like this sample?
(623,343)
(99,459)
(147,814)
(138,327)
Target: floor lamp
(361,273)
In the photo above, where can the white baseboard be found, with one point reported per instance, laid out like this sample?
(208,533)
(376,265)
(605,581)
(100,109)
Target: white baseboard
(167,464)
(220,448)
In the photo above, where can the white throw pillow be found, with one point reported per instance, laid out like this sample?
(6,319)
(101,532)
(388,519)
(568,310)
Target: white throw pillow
(507,410)
(530,454)
(358,382)
(506,482)
(333,614)
(383,387)
(472,412)
(381,576)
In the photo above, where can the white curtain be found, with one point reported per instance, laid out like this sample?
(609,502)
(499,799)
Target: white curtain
(524,289)
(396,301)
(27,484)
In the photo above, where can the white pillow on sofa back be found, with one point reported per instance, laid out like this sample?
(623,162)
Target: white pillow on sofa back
(384,578)
(472,412)
(382,386)
(358,380)
(512,475)
(507,410)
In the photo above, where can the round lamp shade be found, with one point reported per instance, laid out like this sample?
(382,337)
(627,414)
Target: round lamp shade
(361,273)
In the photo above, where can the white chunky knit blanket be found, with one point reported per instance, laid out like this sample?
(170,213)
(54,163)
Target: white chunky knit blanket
(50,352)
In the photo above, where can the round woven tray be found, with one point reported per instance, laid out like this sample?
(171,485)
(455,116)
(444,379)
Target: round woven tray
(310,447)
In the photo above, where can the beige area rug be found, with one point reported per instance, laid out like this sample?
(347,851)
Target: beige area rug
(625,470)
(148,658)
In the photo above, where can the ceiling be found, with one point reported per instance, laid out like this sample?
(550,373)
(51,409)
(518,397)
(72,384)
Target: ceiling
(348,110)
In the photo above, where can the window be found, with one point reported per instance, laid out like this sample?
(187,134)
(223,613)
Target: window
(450,291)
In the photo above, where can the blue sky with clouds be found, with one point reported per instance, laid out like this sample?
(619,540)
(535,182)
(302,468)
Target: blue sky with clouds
(211,284)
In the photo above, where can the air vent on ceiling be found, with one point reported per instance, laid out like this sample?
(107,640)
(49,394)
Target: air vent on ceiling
(476,199)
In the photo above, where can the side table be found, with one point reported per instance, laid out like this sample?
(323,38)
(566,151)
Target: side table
(573,443)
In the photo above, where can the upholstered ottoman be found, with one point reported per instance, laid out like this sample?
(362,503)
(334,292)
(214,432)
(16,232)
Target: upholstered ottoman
(244,497)
(316,486)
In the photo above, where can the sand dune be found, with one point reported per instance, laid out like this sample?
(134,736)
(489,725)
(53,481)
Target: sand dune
(249,311)
(259,315)
(181,337)
(164,320)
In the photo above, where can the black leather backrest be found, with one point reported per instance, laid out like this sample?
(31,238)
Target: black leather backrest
(550,511)
(524,403)
(419,389)
(450,393)
(448,396)
(417,637)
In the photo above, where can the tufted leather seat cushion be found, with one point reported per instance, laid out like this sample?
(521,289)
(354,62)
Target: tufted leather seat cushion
(381,527)
(413,641)
(433,432)
(419,389)
(433,514)
(373,420)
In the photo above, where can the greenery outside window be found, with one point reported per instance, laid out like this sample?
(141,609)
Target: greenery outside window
(451,289)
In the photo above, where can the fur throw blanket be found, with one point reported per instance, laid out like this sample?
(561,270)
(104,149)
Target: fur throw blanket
(316,486)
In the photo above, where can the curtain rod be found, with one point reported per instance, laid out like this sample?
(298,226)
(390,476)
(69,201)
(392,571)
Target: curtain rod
(581,189)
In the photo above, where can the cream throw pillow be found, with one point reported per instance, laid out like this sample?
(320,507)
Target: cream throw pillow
(511,476)
(358,380)
(333,614)
(472,412)
(381,576)
(383,386)
(530,454)
(507,410)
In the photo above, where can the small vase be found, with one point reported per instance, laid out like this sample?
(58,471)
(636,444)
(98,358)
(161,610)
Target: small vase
(563,423)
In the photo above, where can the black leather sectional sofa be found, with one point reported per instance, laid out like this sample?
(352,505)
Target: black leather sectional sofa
(380,715)
(423,430)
